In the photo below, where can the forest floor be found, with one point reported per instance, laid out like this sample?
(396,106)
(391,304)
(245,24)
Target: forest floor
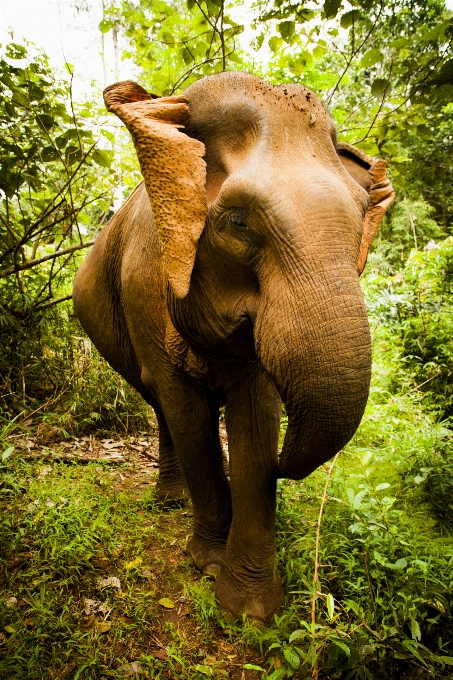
(95,582)
(97,577)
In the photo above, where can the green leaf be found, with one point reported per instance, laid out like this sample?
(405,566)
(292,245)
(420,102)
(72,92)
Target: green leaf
(105,25)
(49,153)
(278,673)
(349,18)
(102,157)
(330,606)
(295,634)
(331,8)
(399,564)
(15,51)
(109,135)
(46,121)
(292,657)
(371,58)
(341,645)
(287,30)
(251,667)
(319,51)
(380,87)
(399,43)
(187,56)
(167,603)
(415,630)
(73,154)
(410,645)
(435,33)
(204,669)
(447,660)
(21,98)
(381,487)
(6,454)
(275,43)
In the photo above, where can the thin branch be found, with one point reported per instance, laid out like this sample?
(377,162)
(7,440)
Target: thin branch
(318,533)
(51,303)
(32,263)
(354,53)
(384,94)
(370,589)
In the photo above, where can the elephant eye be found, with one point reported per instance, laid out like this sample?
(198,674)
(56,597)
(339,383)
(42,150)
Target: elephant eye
(237,219)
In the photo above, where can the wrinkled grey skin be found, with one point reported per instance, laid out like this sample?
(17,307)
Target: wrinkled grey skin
(274,313)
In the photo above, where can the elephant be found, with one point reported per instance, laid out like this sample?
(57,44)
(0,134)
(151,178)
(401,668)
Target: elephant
(230,278)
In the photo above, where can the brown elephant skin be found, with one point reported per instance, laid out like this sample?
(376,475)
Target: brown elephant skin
(231,277)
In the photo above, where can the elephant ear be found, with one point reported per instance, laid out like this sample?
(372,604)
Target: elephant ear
(174,171)
(371,176)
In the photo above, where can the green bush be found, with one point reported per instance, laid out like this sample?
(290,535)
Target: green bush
(416,307)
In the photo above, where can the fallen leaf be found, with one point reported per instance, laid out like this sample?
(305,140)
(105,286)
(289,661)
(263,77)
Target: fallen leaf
(167,603)
(125,619)
(94,606)
(147,573)
(49,503)
(29,622)
(113,445)
(160,654)
(9,629)
(89,622)
(132,668)
(109,581)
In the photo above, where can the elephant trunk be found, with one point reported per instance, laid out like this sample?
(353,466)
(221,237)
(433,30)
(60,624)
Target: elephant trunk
(314,341)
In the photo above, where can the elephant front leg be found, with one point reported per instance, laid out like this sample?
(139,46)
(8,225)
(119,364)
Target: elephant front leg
(247,582)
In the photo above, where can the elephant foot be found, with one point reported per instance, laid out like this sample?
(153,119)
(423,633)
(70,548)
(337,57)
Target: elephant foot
(207,558)
(171,495)
(259,601)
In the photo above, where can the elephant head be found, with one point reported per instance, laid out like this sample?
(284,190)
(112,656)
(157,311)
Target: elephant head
(265,224)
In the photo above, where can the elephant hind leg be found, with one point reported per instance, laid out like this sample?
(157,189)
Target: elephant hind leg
(171,488)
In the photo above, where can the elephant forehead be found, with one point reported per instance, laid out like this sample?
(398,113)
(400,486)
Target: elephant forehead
(235,106)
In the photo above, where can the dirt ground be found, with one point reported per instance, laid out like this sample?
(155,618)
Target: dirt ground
(174,630)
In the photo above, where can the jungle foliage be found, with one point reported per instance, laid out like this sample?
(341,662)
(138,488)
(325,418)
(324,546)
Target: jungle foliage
(365,543)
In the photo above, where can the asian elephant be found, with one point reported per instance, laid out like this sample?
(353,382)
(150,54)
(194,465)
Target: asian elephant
(231,277)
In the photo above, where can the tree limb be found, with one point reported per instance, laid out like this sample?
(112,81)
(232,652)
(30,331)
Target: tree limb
(51,303)
(32,263)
